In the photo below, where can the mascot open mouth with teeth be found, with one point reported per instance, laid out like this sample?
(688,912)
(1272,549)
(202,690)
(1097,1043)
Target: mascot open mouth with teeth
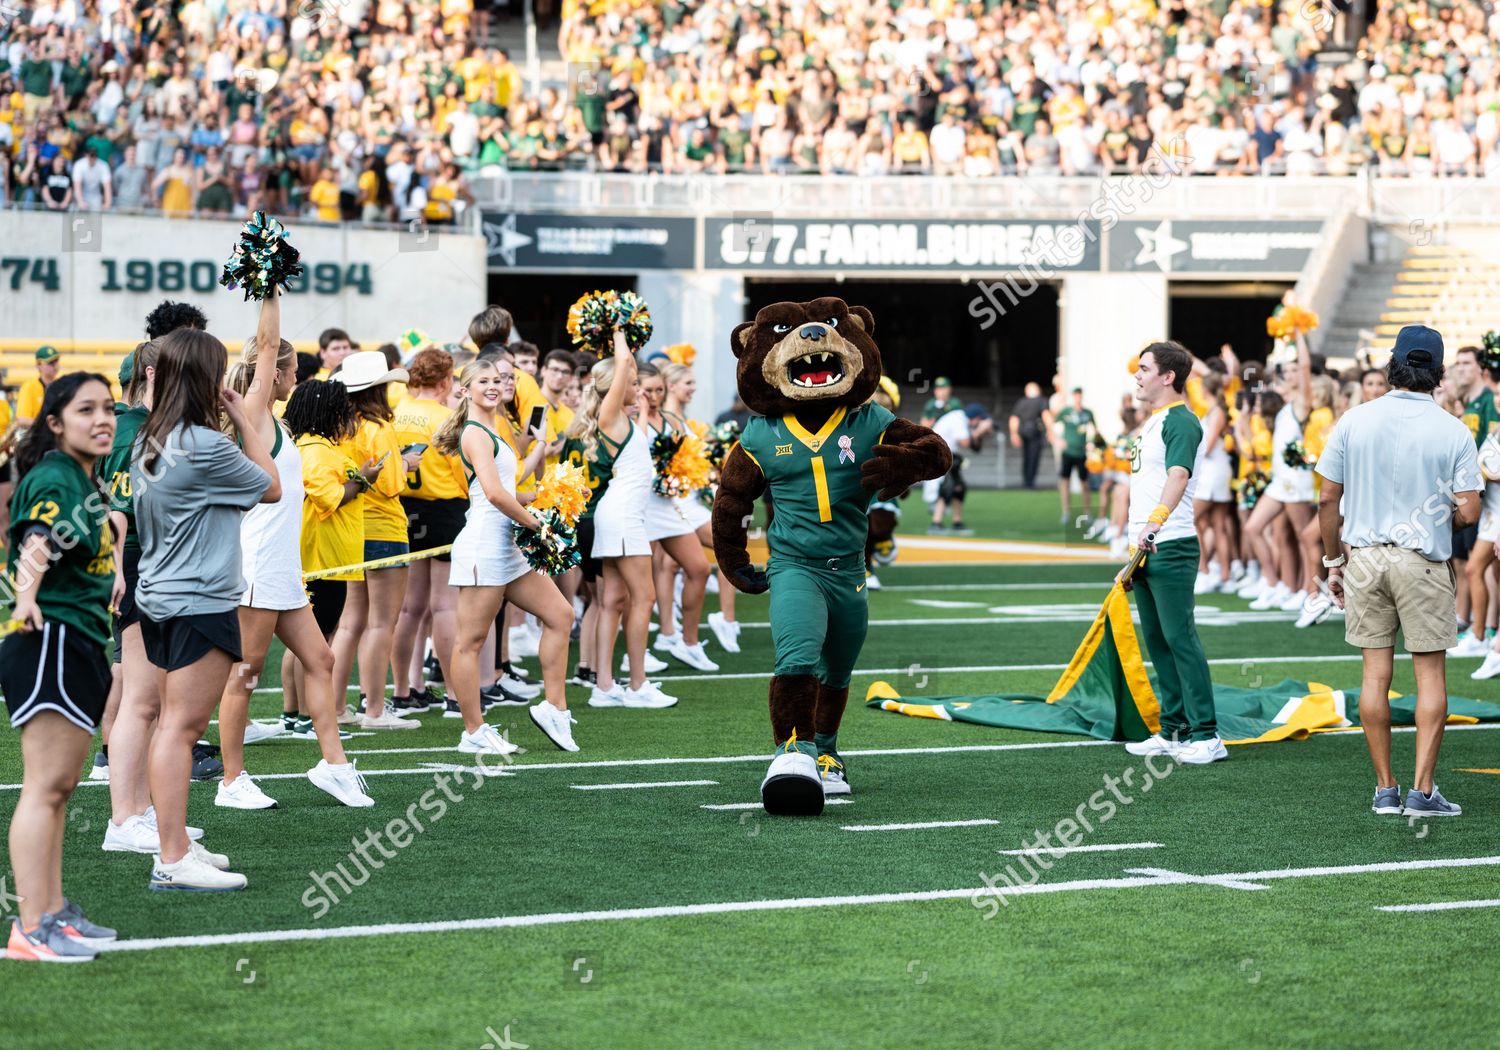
(820,449)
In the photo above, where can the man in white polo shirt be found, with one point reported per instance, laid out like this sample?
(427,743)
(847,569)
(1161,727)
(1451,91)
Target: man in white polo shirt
(1164,463)
(1406,472)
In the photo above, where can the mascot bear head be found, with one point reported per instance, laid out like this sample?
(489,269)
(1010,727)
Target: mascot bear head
(814,356)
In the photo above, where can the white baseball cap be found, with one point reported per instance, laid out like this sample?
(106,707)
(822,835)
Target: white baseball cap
(365,369)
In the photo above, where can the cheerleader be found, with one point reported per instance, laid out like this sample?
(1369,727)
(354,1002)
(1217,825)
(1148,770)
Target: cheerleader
(1317,606)
(53,670)
(435,501)
(275,600)
(1285,507)
(604,428)
(1213,502)
(672,524)
(488,569)
(369,621)
(681,386)
(191,487)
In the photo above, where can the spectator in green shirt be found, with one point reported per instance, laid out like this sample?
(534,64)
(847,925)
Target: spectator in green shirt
(941,403)
(1074,429)
(36,83)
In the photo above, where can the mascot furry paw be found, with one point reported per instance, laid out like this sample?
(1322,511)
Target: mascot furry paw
(820,449)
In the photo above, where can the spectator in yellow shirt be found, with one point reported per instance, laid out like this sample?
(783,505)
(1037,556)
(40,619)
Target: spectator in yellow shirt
(29,401)
(325,194)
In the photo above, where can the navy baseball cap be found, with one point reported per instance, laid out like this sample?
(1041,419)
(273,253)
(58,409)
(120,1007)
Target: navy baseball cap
(1418,346)
(974,410)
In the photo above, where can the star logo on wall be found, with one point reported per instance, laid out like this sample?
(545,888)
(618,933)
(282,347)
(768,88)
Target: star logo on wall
(1159,246)
(502,239)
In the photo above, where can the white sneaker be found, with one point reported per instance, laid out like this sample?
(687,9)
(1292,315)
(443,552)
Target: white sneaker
(1236,571)
(192,874)
(1203,583)
(242,793)
(1315,610)
(133,836)
(150,818)
(207,856)
(1470,645)
(694,656)
(1156,744)
(1489,669)
(726,632)
(342,782)
(872,582)
(350,716)
(792,785)
(557,725)
(98,772)
(664,642)
(614,696)
(712,586)
(521,643)
(1294,601)
(653,665)
(255,732)
(1253,586)
(648,695)
(519,686)
(1119,547)
(1202,752)
(485,740)
(388,719)
(1272,598)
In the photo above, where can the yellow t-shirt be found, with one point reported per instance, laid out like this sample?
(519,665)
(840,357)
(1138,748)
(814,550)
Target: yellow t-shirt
(437,476)
(29,400)
(5,417)
(528,396)
(326,196)
(395,393)
(385,520)
(332,535)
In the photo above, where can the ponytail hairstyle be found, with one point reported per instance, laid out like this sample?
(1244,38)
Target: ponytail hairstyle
(448,436)
(145,357)
(1213,389)
(242,372)
(585,424)
(189,366)
(39,439)
(320,407)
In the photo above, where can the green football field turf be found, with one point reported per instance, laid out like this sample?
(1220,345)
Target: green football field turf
(636,917)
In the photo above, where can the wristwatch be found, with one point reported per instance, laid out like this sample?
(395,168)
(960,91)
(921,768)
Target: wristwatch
(1334,563)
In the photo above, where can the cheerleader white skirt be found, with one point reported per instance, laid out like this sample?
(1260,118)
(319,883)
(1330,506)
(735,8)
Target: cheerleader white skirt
(619,530)
(1290,485)
(485,555)
(1213,482)
(667,517)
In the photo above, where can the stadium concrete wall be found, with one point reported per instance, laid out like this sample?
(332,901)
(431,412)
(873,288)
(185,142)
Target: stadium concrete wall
(89,277)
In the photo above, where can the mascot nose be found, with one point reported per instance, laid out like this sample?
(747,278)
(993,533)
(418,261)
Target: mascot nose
(813,332)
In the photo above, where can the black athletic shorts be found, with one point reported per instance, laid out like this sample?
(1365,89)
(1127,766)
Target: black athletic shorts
(327,597)
(593,568)
(175,643)
(952,487)
(1072,464)
(127,613)
(1464,540)
(58,669)
(434,523)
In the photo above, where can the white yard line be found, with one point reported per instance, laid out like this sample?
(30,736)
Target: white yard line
(1440,906)
(922,825)
(976,895)
(645,784)
(1103,847)
(758,805)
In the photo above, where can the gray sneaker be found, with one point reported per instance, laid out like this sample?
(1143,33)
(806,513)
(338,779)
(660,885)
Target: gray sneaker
(1387,801)
(47,943)
(77,926)
(1433,805)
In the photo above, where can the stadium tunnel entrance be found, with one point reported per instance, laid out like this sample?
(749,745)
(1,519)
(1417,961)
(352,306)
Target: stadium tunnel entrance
(925,329)
(1204,315)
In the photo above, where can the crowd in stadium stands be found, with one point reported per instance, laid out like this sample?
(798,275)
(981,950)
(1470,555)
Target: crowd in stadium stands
(380,110)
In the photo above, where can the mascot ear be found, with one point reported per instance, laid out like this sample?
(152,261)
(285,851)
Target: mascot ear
(862,317)
(739,339)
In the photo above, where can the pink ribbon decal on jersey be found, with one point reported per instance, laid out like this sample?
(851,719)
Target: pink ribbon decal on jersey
(846,448)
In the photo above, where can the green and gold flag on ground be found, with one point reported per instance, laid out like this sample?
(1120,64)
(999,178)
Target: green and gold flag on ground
(1106,693)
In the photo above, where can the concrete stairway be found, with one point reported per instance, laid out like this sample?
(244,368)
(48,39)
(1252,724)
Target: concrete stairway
(1361,310)
(1448,287)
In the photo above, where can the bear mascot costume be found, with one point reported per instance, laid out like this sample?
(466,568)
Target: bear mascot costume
(819,449)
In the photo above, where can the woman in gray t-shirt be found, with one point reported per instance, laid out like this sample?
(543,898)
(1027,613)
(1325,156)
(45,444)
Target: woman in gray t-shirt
(191,486)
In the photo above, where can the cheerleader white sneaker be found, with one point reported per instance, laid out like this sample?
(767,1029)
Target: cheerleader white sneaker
(342,782)
(192,874)
(1489,669)
(726,632)
(485,740)
(349,716)
(242,793)
(1274,598)
(556,725)
(614,696)
(1203,583)
(521,642)
(1315,610)
(872,582)
(712,586)
(388,719)
(1470,645)
(1294,601)
(652,662)
(518,686)
(648,695)
(255,732)
(694,656)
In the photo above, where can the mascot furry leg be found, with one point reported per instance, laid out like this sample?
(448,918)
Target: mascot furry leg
(819,448)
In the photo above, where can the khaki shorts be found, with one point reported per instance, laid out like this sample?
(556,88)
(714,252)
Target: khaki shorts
(1390,587)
